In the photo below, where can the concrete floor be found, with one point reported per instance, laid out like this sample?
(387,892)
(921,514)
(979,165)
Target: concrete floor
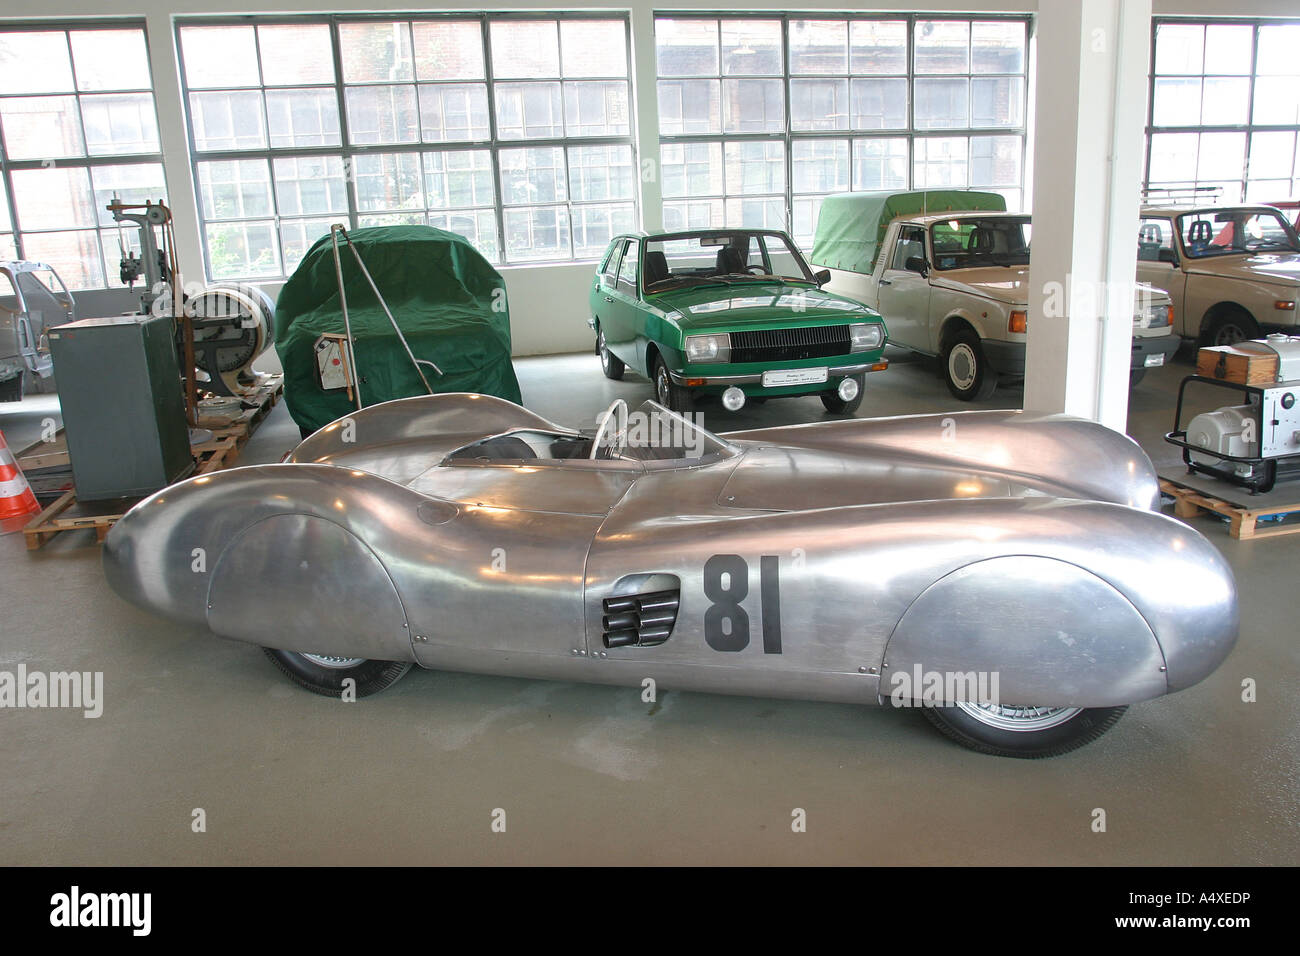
(591,774)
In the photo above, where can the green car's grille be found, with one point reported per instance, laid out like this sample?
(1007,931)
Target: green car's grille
(788,345)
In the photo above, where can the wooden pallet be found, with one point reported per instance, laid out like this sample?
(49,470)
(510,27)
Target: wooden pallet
(212,456)
(1242,522)
(54,453)
(241,426)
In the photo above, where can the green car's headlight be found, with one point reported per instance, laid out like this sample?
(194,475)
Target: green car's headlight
(708,349)
(866,337)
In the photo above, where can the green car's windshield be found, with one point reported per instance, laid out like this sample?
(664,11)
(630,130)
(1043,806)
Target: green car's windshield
(1225,232)
(967,242)
(721,257)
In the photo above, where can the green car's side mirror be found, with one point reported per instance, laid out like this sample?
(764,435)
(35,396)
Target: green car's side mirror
(822,276)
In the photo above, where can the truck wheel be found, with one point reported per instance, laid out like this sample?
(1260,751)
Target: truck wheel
(610,363)
(1230,326)
(837,406)
(671,396)
(1136,375)
(967,371)
(325,675)
(1028,732)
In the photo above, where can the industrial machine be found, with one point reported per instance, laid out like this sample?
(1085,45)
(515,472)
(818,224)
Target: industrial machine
(123,409)
(1256,443)
(220,330)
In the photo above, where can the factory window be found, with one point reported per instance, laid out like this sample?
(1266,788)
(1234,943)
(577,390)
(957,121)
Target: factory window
(761,117)
(514,132)
(77,126)
(1224,111)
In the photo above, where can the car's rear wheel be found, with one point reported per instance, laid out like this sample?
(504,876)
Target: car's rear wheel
(968,373)
(325,675)
(1006,730)
(838,406)
(669,395)
(610,363)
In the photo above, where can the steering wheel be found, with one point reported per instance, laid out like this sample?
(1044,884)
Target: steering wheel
(611,415)
(756,271)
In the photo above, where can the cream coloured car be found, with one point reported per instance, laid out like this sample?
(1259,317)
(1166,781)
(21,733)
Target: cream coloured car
(1233,272)
(954,285)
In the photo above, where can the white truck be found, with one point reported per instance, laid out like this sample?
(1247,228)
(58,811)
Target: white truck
(1233,272)
(948,270)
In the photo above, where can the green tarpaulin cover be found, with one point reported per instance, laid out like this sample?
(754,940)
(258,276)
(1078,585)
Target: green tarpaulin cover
(851,226)
(441,291)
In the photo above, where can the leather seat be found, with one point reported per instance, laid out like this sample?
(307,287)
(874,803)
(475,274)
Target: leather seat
(655,268)
(729,261)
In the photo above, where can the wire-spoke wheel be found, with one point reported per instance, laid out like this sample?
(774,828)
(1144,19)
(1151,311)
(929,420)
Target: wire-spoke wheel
(1012,730)
(326,675)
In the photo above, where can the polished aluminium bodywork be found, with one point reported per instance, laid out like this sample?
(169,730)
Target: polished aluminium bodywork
(1002,542)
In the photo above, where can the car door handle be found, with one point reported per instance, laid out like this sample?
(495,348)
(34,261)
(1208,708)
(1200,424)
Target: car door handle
(886,282)
(609,298)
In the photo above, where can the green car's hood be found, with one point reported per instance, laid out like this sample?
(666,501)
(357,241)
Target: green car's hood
(718,307)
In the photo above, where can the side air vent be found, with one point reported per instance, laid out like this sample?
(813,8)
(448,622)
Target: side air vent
(640,620)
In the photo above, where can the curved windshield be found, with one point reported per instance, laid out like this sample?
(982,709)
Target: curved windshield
(967,242)
(652,433)
(715,257)
(1226,232)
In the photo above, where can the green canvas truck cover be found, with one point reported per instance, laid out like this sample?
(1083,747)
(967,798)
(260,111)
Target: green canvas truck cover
(851,226)
(448,300)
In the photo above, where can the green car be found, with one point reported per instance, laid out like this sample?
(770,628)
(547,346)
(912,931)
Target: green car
(730,312)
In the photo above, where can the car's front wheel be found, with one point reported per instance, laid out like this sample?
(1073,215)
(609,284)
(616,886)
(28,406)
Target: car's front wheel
(967,371)
(1011,731)
(610,363)
(671,396)
(325,675)
(837,406)
(1229,326)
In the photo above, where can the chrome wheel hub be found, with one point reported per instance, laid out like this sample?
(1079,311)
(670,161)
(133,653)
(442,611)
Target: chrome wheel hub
(1017,718)
(338,663)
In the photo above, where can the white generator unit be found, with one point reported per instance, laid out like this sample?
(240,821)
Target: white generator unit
(1255,443)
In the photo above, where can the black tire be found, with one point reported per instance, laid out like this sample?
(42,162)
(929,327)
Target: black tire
(610,363)
(837,406)
(1136,375)
(1229,326)
(371,676)
(1084,726)
(671,396)
(969,376)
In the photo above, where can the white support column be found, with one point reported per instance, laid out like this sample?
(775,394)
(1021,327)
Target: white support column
(1090,108)
(646,112)
(177,172)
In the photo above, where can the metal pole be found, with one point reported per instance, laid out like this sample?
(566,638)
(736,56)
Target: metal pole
(384,305)
(343,305)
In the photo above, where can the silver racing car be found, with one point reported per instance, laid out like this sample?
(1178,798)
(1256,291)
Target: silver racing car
(1007,574)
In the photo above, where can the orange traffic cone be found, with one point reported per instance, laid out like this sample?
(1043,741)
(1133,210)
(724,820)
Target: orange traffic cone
(17,503)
